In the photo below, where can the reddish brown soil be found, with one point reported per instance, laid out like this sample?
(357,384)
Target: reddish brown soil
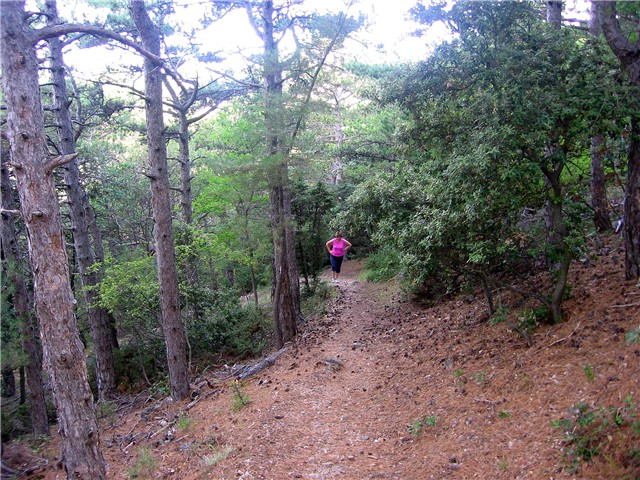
(339,403)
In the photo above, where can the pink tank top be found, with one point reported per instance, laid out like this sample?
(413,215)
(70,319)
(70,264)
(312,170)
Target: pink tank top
(338,248)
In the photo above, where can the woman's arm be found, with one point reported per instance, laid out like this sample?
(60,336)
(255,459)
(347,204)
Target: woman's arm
(348,245)
(329,244)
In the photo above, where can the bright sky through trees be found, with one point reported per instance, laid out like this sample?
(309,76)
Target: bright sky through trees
(386,37)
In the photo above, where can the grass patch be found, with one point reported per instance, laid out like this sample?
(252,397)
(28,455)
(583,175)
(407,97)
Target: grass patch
(314,301)
(184,423)
(240,398)
(145,465)
(417,427)
(216,456)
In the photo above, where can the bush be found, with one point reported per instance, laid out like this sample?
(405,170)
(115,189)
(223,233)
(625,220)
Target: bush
(590,431)
(229,327)
(382,265)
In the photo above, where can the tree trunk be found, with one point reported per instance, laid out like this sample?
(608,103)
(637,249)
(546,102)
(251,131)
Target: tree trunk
(185,168)
(558,235)
(23,385)
(599,201)
(627,49)
(632,204)
(554,13)
(78,206)
(54,303)
(8,382)
(98,248)
(174,332)
(335,175)
(22,305)
(286,302)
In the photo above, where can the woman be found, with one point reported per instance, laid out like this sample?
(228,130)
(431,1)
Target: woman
(337,248)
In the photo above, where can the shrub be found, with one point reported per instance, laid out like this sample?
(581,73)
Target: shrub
(590,431)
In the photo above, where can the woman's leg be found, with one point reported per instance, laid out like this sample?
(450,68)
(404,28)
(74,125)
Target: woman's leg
(338,267)
(334,267)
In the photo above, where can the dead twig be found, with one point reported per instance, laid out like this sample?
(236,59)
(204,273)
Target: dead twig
(625,305)
(170,424)
(528,352)
(134,426)
(565,338)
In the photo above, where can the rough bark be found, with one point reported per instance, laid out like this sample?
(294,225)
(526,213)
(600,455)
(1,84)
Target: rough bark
(554,18)
(558,237)
(186,201)
(554,13)
(8,382)
(186,198)
(335,173)
(77,200)
(63,352)
(286,301)
(599,201)
(22,305)
(174,332)
(628,53)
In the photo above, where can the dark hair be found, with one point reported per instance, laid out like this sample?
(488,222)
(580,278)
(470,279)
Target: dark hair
(338,234)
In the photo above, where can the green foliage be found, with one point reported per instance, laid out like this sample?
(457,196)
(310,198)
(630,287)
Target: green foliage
(499,316)
(12,354)
(436,223)
(480,377)
(108,411)
(16,420)
(590,431)
(382,265)
(589,373)
(633,337)
(483,109)
(215,319)
(131,292)
(311,209)
(226,325)
(417,427)
(531,318)
(217,456)
(240,398)
(314,300)
(145,465)
(184,422)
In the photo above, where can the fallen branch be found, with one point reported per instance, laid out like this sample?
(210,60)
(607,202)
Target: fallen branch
(168,425)
(565,338)
(261,365)
(626,305)
(492,403)
(528,352)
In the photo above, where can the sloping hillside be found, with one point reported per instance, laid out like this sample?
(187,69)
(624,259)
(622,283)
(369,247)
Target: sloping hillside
(382,388)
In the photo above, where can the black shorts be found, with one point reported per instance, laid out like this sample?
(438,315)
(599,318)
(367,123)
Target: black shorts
(336,263)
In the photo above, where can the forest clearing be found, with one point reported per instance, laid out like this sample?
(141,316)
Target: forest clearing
(379,387)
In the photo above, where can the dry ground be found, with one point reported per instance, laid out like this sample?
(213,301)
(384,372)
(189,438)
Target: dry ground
(382,388)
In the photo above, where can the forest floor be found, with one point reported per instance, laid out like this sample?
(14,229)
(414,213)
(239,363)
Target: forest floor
(382,388)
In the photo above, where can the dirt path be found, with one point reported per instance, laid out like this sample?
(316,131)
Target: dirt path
(323,413)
